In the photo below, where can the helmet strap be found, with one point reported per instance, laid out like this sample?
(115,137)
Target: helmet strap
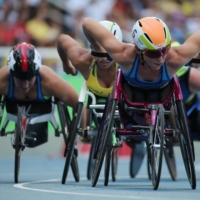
(143,61)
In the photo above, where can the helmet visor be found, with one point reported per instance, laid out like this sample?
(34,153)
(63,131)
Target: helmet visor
(23,75)
(157,53)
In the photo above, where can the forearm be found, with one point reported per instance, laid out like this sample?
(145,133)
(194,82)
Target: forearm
(192,45)
(94,32)
(94,44)
(62,51)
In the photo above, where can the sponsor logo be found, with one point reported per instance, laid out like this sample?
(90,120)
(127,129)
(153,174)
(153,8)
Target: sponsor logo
(133,33)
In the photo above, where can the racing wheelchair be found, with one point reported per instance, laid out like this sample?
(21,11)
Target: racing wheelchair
(96,113)
(30,130)
(146,120)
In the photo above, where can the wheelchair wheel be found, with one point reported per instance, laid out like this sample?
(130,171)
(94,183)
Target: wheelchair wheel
(107,162)
(75,169)
(71,141)
(170,158)
(157,147)
(114,163)
(1,107)
(91,160)
(65,122)
(149,160)
(18,138)
(102,137)
(185,143)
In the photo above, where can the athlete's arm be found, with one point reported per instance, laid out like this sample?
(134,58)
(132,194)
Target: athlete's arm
(123,54)
(180,55)
(53,85)
(4,80)
(73,56)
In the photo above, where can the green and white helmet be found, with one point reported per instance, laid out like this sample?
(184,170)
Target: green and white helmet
(150,33)
(113,28)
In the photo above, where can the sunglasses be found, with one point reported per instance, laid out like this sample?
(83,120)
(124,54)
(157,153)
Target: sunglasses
(101,55)
(157,53)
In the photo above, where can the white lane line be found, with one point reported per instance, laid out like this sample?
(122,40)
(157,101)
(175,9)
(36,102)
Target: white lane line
(22,186)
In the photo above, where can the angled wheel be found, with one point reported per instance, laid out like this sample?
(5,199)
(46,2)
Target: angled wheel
(149,160)
(107,161)
(1,107)
(157,147)
(114,163)
(91,160)
(18,139)
(70,147)
(65,122)
(170,158)
(185,142)
(103,137)
(75,168)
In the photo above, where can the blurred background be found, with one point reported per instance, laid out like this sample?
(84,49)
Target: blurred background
(41,21)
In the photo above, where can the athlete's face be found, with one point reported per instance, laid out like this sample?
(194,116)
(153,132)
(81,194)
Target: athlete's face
(155,63)
(24,85)
(103,62)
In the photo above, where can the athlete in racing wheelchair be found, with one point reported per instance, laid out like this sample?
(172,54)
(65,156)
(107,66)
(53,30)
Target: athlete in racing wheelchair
(149,65)
(30,92)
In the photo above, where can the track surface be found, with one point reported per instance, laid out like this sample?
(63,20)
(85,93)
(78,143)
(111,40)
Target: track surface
(40,178)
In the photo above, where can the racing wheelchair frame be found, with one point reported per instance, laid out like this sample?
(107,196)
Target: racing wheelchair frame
(96,113)
(24,114)
(147,122)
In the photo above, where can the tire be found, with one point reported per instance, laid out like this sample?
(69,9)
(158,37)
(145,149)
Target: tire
(18,138)
(71,141)
(75,168)
(91,160)
(170,158)
(63,122)
(1,107)
(149,160)
(157,153)
(107,162)
(102,137)
(114,163)
(185,143)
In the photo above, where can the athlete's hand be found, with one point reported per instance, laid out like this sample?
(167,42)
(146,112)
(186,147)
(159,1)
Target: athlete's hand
(70,70)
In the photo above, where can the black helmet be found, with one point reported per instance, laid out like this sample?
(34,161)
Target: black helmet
(24,61)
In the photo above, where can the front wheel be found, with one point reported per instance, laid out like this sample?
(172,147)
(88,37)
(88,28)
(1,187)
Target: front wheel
(114,163)
(70,147)
(107,161)
(18,139)
(91,160)
(103,137)
(157,147)
(185,143)
(170,158)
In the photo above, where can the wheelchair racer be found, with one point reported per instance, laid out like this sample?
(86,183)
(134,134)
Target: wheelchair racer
(97,68)
(25,79)
(150,63)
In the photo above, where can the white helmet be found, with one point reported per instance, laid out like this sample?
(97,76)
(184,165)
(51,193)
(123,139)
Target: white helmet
(113,28)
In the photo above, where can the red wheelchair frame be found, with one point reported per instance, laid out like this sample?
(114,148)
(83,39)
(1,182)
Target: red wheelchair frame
(155,133)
